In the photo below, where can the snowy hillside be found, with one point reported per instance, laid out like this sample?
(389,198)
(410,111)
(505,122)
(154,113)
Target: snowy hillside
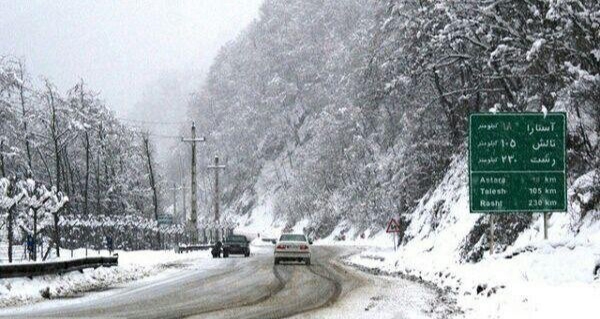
(526,278)
(341,114)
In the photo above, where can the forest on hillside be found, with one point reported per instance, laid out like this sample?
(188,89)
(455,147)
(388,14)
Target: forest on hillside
(360,106)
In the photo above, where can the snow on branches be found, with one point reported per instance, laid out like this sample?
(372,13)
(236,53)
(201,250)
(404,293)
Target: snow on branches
(8,198)
(40,204)
(32,203)
(118,223)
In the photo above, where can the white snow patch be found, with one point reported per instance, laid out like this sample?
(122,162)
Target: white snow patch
(535,49)
(533,278)
(132,266)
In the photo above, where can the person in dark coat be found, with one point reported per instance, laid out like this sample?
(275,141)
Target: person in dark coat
(216,250)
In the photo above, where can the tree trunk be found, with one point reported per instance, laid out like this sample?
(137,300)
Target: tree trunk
(448,111)
(45,166)
(10,234)
(24,114)
(35,211)
(54,135)
(56,235)
(10,221)
(64,171)
(2,171)
(69,170)
(98,206)
(87,174)
(98,180)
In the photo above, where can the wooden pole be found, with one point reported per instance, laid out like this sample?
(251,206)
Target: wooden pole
(153,185)
(193,224)
(194,217)
(183,188)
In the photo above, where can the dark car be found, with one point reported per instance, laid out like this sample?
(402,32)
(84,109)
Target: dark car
(236,245)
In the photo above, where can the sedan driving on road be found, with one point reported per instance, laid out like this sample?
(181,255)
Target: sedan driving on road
(236,244)
(292,247)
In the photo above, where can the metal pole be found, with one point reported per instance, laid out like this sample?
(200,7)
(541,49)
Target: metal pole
(492,225)
(545,225)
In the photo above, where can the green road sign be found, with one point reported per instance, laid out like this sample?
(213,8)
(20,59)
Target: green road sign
(517,162)
(165,219)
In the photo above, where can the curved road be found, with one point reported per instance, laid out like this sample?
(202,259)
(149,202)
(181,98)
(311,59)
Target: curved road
(239,288)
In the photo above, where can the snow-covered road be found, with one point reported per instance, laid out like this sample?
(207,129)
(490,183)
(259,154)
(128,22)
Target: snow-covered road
(252,288)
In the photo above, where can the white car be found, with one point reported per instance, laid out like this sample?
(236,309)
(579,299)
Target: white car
(292,247)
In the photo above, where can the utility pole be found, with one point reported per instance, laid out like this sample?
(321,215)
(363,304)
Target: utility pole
(184,202)
(216,167)
(153,185)
(194,217)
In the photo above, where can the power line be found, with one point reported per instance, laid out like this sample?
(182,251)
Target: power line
(109,131)
(153,122)
(131,130)
(179,137)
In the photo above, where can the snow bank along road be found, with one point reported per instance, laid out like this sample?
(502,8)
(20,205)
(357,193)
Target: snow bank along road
(251,288)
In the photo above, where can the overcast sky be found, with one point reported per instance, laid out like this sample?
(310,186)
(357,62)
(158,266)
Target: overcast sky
(119,47)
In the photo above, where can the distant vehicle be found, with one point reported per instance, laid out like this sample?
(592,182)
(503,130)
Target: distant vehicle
(292,247)
(236,245)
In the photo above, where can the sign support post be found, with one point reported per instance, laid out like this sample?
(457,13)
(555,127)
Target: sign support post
(492,239)
(393,227)
(545,225)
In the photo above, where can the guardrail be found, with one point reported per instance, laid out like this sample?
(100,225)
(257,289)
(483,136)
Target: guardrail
(185,249)
(269,240)
(56,267)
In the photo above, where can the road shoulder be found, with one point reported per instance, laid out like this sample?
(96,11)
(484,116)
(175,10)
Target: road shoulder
(372,293)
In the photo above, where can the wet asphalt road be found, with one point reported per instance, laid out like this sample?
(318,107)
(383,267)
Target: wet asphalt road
(239,288)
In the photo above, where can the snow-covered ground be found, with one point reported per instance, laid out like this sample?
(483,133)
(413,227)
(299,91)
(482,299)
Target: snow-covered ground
(532,278)
(383,298)
(132,266)
(554,281)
